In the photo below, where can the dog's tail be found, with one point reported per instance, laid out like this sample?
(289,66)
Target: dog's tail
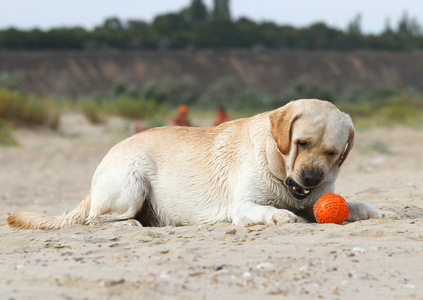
(24,220)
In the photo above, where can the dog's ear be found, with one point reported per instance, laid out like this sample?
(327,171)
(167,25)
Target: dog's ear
(348,147)
(281,121)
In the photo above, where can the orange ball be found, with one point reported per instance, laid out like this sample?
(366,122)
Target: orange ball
(330,208)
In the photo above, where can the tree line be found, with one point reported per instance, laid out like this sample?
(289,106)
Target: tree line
(196,26)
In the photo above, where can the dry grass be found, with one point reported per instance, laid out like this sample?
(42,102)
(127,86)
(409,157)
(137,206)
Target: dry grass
(396,110)
(6,134)
(28,110)
(140,108)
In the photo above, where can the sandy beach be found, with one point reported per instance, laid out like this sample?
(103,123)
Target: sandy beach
(50,172)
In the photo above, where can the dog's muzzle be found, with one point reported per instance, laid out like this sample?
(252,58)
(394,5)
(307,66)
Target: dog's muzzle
(296,190)
(310,180)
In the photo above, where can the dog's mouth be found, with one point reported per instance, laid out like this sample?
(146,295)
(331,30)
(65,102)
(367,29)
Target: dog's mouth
(296,190)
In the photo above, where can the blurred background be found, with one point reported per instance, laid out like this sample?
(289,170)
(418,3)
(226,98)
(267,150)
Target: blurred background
(142,60)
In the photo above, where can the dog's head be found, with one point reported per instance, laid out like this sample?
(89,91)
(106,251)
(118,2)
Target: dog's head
(314,139)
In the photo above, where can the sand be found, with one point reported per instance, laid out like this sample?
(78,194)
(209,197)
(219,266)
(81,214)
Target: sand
(50,172)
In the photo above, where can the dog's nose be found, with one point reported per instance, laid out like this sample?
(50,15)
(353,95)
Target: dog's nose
(311,179)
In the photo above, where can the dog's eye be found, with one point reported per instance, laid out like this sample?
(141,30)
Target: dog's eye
(302,143)
(331,154)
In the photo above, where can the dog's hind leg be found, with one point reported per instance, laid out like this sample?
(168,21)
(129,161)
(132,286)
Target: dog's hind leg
(120,191)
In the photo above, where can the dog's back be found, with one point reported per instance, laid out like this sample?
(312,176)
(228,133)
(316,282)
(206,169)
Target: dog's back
(186,174)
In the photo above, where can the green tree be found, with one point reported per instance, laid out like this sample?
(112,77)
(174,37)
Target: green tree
(218,33)
(113,24)
(221,10)
(250,33)
(409,26)
(320,36)
(354,27)
(171,30)
(195,25)
(141,35)
(197,12)
(166,25)
(270,34)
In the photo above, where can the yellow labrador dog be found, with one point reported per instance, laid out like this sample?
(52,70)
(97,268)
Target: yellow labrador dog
(269,169)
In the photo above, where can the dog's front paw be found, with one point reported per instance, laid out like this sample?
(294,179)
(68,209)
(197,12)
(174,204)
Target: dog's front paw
(364,211)
(386,215)
(283,216)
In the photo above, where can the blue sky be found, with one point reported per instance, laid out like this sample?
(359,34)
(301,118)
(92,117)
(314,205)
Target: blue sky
(46,14)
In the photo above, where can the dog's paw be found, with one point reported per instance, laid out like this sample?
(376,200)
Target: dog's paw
(110,220)
(283,216)
(386,215)
(364,211)
(129,222)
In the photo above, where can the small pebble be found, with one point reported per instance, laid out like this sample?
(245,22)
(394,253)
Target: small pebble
(410,286)
(218,268)
(266,265)
(359,250)
(246,274)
